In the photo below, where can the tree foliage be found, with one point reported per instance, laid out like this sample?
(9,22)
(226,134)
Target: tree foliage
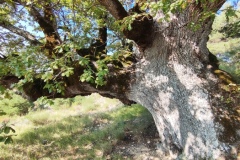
(46,39)
(65,48)
(5,133)
(54,42)
(224,40)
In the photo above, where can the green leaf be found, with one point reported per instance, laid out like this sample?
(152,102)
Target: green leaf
(7,130)
(60,50)
(68,72)
(2,128)
(82,79)
(13,130)
(230,12)
(87,76)
(88,79)
(2,89)
(83,61)
(2,139)
(8,140)
(47,76)
(129,27)
(55,66)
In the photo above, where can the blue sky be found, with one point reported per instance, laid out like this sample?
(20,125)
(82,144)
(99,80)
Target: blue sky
(233,2)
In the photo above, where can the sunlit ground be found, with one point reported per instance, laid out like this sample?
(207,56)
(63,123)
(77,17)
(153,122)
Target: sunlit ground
(89,127)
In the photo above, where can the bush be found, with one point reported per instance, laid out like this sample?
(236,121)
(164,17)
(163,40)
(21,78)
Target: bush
(15,105)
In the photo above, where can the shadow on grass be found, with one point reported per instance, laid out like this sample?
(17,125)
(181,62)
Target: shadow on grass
(2,113)
(87,136)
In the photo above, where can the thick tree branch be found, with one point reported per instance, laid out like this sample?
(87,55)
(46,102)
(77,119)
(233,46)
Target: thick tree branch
(142,31)
(28,36)
(47,24)
(98,48)
(142,26)
(198,7)
(103,35)
(115,8)
(117,86)
(214,6)
(118,83)
(7,81)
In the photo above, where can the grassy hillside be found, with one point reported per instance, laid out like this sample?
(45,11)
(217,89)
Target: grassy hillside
(224,47)
(89,127)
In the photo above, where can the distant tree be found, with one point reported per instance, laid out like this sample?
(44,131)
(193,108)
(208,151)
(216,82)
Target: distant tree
(150,52)
(224,41)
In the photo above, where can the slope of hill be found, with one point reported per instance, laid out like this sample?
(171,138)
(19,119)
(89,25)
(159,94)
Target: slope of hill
(89,127)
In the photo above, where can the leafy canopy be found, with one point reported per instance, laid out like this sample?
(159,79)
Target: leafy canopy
(77,24)
(48,40)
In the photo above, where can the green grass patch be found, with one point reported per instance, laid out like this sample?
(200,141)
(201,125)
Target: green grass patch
(14,105)
(89,128)
(221,47)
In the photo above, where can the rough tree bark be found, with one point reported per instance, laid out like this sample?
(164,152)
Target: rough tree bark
(171,75)
(174,80)
(175,83)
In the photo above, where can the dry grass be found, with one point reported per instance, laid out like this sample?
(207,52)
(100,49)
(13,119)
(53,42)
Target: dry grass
(89,128)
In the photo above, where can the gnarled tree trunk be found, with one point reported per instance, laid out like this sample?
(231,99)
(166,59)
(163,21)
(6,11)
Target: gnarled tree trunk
(171,75)
(174,81)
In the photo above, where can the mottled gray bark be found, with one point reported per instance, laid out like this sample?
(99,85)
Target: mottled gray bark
(172,77)
(174,82)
